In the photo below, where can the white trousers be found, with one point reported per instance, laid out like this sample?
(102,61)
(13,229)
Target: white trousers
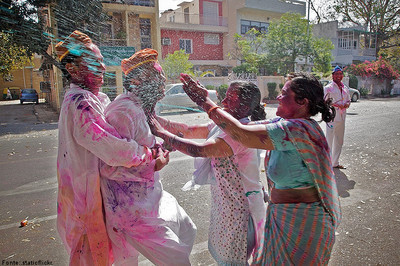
(335,137)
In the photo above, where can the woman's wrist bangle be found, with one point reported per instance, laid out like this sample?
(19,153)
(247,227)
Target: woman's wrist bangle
(212,109)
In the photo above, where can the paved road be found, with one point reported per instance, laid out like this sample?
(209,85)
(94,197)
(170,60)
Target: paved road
(369,188)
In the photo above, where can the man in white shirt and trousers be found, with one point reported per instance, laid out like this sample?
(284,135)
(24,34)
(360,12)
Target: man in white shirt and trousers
(340,96)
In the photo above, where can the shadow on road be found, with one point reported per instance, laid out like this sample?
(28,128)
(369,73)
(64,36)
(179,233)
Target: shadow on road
(22,119)
(344,185)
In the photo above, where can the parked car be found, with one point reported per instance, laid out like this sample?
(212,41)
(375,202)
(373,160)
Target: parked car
(29,95)
(354,94)
(176,98)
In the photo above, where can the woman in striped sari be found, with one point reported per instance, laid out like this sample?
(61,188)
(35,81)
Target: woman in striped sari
(304,209)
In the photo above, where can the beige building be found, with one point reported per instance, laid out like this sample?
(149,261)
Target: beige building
(224,17)
(133,25)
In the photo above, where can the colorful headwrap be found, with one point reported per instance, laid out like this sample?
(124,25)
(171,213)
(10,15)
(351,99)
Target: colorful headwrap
(76,44)
(139,58)
(336,69)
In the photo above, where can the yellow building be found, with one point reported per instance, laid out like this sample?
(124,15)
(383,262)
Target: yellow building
(132,26)
(27,77)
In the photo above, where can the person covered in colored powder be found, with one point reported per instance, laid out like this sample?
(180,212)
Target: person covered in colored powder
(237,200)
(85,138)
(140,215)
(340,96)
(304,209)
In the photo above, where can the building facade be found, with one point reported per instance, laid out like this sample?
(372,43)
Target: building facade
(352,44)
(205,29)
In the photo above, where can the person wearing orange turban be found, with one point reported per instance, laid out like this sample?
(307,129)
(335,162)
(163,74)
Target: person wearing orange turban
(140,215)
(87,141)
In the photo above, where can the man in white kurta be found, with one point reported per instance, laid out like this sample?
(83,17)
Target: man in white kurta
(140,215)
(84,138)
(340,96)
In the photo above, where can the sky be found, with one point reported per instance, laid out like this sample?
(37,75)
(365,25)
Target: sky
(169,4)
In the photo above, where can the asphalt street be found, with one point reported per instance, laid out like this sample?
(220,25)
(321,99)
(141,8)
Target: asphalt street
(369,188)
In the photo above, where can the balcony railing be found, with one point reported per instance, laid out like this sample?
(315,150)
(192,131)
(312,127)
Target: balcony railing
(197,19)
(150,3)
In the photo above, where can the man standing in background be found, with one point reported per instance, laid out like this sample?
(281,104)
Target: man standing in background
(340,96)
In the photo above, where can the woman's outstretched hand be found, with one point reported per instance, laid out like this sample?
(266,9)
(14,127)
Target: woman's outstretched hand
(197,92)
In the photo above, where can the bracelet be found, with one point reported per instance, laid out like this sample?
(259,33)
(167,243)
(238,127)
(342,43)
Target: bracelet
(212,109)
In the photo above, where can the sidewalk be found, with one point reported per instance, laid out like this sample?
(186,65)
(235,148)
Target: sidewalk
(45,113)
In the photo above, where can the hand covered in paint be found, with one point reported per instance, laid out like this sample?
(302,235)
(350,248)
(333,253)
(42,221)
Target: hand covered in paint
(161,132)
(196,92)
(161,157)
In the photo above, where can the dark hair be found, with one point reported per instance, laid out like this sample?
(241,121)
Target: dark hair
(69,58)
(307,86)
(250,96)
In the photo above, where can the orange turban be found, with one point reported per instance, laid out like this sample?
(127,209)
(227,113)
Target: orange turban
(76,44)
(139,58)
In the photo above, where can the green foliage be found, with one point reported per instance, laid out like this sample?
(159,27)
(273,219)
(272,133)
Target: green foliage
(353,81)
(221,91)
(380,17)
(12,57)
(391,51)
(287,41)
(363,91)
(248,50)
(281,86)
(210,87)
(380,69)
(176,63)
(272,93)
(25,23)
(321,54)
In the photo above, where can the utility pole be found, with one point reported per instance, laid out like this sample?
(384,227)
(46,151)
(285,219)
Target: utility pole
(308,33)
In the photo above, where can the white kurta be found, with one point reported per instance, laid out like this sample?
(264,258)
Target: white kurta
(237,195)
(140,215)
(84,137)
(335,129)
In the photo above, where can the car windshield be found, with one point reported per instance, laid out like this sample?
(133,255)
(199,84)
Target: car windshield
(175,89)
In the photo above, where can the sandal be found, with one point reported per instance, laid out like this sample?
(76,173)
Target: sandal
(340,166)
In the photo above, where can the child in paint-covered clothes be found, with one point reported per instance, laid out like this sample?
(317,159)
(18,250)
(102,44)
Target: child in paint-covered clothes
(140,215)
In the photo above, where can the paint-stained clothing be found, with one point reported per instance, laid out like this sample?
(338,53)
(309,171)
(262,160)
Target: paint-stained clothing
(301,233)
(85,138)
(140,215)
(335,129)
(237,200)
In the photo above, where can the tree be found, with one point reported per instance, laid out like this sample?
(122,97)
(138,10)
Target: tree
(321,55)
(381,18)
(25,22)
(12,57)
(176,63)
(288,42)
(248,49)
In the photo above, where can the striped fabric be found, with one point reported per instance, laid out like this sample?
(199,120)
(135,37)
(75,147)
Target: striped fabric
(303,234)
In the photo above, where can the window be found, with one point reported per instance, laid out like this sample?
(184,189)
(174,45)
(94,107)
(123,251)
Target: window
(145,33)
(186,14)
(246,25)
(165,41)
(185,45)
(172,18)
(347,40)
(211,38)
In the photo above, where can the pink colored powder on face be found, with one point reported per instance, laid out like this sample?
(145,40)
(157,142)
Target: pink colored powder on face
(158,67)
